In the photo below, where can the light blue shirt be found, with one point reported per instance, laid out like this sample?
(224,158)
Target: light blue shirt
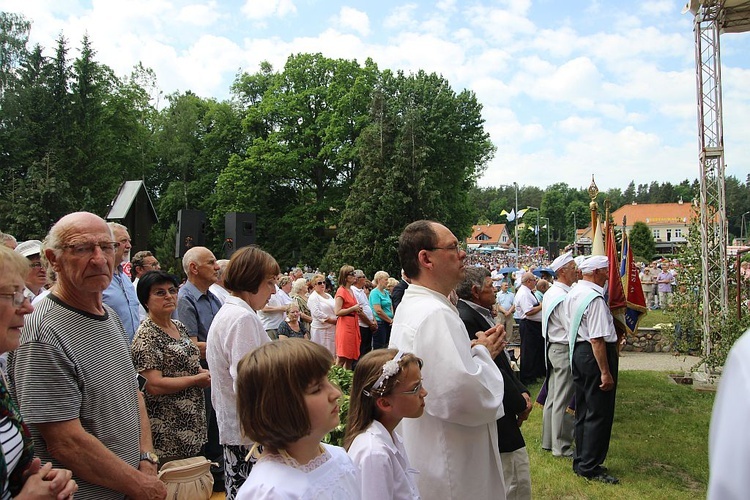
(120,295)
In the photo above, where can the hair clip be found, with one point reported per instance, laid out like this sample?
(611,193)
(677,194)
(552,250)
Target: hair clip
(390,368)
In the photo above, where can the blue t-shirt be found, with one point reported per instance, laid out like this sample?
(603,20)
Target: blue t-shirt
(383,299)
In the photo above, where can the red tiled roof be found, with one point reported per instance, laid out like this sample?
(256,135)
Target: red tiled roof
(654,214)
(492,231)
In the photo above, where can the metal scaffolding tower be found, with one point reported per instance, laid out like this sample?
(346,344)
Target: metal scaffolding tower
(713,17)
(713,224)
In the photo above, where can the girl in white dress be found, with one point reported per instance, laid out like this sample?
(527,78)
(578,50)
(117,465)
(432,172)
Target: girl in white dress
(286,405)
(386,388)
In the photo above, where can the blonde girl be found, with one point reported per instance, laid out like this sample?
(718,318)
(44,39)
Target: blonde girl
(386,388)
(286,405)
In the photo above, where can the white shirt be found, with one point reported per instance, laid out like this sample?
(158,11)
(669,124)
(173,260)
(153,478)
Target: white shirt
(597,320)
(383,465)
(362,300)
(525,300)
(272,320)
(336,479)
(321,308)
(235,331)
(220,292)
(729,434)
(558,323)
(454,443)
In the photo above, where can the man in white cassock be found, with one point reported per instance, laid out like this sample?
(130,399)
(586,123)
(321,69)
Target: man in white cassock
(454,444)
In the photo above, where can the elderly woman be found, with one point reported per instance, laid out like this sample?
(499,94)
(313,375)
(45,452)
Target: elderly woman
(236,330)
(163,353)
(292,327)
(347,310)
(21,475)
(382,306)
(299,296)
(323,328)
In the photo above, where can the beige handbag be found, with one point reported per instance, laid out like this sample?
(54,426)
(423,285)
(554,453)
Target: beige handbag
(188,479)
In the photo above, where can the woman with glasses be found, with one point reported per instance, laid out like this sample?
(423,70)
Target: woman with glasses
(347,324)
(170,362)
(21,475)
(321,304)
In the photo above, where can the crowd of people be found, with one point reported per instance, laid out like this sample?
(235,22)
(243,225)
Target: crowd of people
(232,364)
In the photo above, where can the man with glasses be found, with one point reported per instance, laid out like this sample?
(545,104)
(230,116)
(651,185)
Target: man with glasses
(143,262)
(36,278)
(530,328)
(120,294)
(454,444)
(476,295)
(73,375)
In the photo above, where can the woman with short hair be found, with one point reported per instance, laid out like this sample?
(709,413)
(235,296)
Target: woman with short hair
(163,353)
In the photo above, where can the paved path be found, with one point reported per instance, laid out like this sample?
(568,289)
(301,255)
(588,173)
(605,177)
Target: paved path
(657,361)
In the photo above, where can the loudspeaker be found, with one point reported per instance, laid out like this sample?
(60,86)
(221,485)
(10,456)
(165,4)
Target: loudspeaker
(191,226)
(239,231)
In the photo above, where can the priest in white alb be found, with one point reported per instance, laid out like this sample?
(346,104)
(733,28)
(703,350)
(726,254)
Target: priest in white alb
(453,444)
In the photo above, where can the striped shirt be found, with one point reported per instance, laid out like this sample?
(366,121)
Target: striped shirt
(12,444)
(72,364)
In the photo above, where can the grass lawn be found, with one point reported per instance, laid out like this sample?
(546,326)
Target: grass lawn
(653,318)
(659,446)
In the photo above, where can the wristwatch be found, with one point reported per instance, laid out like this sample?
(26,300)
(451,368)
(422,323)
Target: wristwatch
(150,456)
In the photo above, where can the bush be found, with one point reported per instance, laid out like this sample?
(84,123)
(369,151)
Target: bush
(343,379)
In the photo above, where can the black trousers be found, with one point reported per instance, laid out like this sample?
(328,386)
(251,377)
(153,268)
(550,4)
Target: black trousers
(532,351)
(365,340)
(595,409)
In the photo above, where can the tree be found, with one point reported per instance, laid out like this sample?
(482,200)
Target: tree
(14,35)
(642,241)
(299,168)
(421,154)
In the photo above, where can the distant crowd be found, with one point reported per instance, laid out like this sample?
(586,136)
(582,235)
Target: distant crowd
(231,364)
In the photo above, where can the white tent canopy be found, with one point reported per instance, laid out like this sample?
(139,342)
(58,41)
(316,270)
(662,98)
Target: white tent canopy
(735,16)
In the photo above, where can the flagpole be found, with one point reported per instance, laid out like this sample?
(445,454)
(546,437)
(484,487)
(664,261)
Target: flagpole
(515,226)
(593,206)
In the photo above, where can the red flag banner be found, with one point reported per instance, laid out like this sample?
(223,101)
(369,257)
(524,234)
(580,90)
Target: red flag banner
(615,292)
(631,281)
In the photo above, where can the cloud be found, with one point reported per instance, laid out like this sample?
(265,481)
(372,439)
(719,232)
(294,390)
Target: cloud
(263,9)
(199,14)
(350,18)
(402,17)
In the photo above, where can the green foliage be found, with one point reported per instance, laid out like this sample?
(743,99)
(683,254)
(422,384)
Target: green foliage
(642,241)
(421,153)
(342,378)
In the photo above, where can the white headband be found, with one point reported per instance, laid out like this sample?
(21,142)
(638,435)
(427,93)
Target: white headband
(390,368)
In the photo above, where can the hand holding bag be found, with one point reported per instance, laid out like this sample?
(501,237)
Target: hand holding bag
(188,479)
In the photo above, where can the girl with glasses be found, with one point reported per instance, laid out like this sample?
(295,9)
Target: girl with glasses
(387,387)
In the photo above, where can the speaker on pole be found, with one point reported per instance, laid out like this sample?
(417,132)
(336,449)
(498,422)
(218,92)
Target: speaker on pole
(239,231)
(191,225)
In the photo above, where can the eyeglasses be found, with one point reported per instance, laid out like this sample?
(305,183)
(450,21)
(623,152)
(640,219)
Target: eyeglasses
(350,274)
(161,293)
(153,265)
(454,248)
(320,282)
(35,265)
(414,391)
(87,249)
(17,297)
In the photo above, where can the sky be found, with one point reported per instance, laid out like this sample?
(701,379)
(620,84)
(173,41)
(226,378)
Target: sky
(568,88)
